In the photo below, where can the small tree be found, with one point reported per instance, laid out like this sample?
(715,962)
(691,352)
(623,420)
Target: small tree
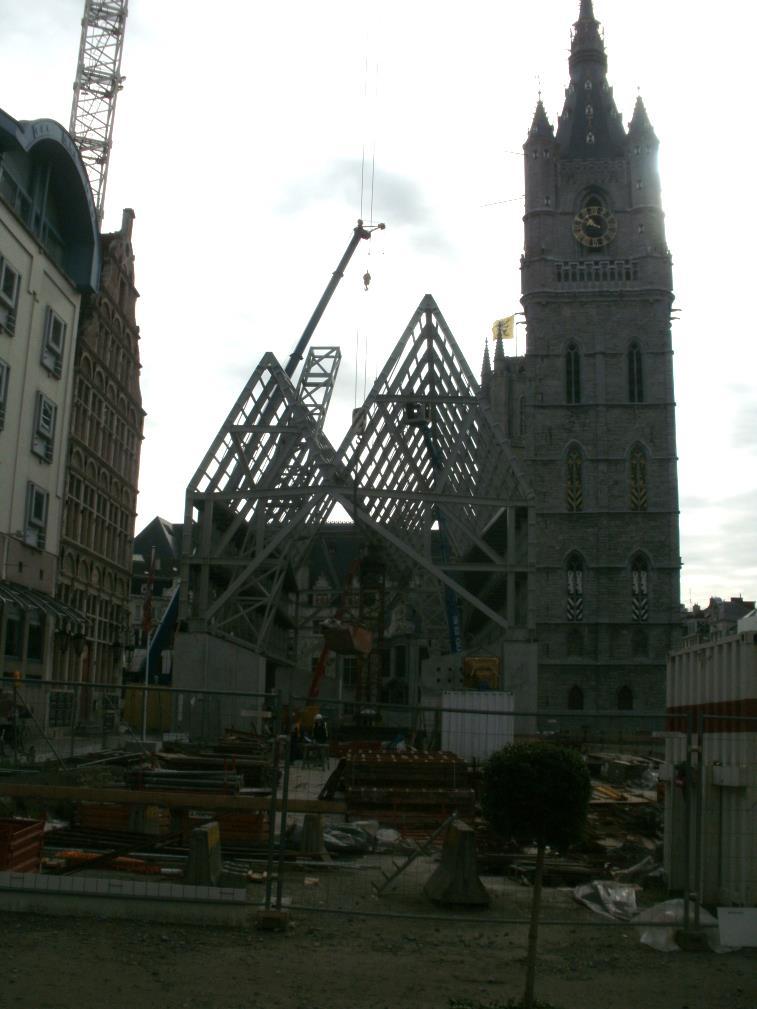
(536,793)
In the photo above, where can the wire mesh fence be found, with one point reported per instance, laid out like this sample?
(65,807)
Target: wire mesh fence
(409,779)
(363,809)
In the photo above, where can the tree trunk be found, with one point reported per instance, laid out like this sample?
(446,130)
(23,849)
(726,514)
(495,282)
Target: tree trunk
(533,929)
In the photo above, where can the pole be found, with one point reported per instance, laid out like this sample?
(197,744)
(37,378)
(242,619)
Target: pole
(147,683)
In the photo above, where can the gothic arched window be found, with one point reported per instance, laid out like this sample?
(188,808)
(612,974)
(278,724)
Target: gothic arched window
(639,590)
(572,374)
(638,479)
(574,497)
(574,606)
(635,377)
(625,699)
(575,699)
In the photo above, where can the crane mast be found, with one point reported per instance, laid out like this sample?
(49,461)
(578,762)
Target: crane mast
(98,81)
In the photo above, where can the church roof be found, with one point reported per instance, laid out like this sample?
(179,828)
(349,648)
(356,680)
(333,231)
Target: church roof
(590,125)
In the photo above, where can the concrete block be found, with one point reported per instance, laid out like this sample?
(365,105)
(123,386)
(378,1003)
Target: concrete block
(312,843)
(455,882)
(204,866)
(272,921)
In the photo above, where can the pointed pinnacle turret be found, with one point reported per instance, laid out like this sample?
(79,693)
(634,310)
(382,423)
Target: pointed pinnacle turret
(587,44)
(499,356)
(541,126)
(640,128)
(486,369)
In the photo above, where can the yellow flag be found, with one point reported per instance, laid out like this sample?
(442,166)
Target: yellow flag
(504,329)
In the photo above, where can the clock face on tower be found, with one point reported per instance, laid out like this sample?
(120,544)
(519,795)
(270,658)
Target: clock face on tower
(594,226)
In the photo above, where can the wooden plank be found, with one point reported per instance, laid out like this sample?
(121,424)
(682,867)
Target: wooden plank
(173,800)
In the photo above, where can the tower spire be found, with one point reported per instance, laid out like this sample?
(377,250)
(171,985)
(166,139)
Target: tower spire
(590,125)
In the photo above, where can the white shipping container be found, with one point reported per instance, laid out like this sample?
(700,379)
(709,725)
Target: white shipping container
(475,723)
(716,677)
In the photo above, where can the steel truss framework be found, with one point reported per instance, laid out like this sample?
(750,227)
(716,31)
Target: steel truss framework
(98,81)
(271,479)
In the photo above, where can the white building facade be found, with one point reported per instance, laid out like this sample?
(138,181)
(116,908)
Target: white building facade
(49,256)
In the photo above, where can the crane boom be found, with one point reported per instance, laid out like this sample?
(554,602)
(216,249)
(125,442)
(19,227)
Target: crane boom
(360,232)
(98,81)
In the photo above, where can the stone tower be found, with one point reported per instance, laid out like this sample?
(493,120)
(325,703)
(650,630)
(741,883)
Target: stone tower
(589,408)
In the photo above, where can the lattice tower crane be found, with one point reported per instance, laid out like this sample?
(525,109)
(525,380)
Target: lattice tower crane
(98,81)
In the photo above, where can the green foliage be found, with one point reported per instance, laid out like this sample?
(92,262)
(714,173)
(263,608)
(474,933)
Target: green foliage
(537,792)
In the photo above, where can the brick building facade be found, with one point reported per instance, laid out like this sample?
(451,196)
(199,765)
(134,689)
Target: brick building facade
(103,467)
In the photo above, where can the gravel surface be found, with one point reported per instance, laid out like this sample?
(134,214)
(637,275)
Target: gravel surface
(346,961)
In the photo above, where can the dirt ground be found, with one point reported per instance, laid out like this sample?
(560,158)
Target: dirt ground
(340,961)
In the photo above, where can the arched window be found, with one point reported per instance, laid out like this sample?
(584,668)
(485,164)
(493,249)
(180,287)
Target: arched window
(572,374)
(639,643)
(635,376)
(638,479)
(573,481)
(575,699)
(522,415)
(625,699)
(574,607)
(574,642)
(639,590)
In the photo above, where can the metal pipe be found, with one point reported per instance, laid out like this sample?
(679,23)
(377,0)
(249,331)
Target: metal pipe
(699,825)
(272,806)
(687,829)
(283,821)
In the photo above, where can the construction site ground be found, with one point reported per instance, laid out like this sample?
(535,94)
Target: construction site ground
(336,961)
(338,954)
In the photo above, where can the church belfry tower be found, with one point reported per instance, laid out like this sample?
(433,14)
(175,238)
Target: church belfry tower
(596,429)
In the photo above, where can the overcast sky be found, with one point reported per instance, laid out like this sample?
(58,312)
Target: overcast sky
(239,142)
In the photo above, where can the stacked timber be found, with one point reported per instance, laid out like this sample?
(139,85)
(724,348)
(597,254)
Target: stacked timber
(410,791)
(239,752)
(161,779)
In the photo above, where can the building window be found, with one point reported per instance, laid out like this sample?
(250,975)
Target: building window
(640,590)
(635,378)
(10,282)
(522,415)
(625,699)
(35,638)
(60,708)
(639,643)
(572,374)
(36,516)
(43,437)
(573,484)
(575,589)
(575,699)
(589,137)
(13,631)
(4,377)
(638,479)
(349,670)
(574,642)
(53,342)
